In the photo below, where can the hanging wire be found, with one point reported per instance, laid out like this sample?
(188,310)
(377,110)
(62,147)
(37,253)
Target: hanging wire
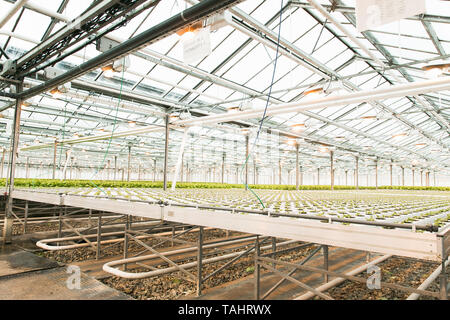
(112,133)
(245,183)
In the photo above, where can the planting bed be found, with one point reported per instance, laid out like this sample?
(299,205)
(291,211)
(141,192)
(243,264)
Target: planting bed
(394,206)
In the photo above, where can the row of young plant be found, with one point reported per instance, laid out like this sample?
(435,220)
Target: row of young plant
(48,183)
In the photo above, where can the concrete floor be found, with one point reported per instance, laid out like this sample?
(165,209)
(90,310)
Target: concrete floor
(26,276)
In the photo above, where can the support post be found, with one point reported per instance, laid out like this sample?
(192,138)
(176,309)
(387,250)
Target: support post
(27,168)
(390,171)
(357,173)
(297,169)
(180,159)
(413,176)
(223,168)
(3,162)
(346,177)
(166,153)
(403,176)
(279,172)
(126,240)
(376,173)
(199,262)
(99,235)
(55,149)
(421,178)
(257,269)
(115,167)
(318,176)
(325,262)
(129,164)
(25,219)
(332,169)
(8,224)
(246,162)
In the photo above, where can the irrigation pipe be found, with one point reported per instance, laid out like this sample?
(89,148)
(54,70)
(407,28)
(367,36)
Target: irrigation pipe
(43,244)
(428,281)
(108,267)
(338,281)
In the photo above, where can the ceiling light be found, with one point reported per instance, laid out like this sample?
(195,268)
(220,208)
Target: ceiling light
(56,93)
(188,32)
(399,135)
(368,117)
(298,127)
(291,142)
(132,124)
(108,71)
(314,91)
(232,109)
(436,70)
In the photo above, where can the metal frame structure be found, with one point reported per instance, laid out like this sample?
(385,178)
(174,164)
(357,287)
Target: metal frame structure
(389,117)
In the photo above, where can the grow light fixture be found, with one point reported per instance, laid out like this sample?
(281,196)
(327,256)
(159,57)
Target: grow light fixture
(132,124)
(299,127)
(291,142)
(369,117)
(189,31)
(314,91)
(340,138)
(323,149)
(436,70)
(233,109)
(245,131)
(56,93)
(399,135)
(108,71)
(117,66)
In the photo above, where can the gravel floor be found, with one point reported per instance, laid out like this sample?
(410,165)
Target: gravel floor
(88,253)
(394,270)
(173,286)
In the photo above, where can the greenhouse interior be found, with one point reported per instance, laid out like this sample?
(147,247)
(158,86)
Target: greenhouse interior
(225,150)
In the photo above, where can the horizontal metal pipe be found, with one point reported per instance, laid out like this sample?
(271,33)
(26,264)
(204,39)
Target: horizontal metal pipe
(108,267)
(428,281)
(161,30)
(338,281)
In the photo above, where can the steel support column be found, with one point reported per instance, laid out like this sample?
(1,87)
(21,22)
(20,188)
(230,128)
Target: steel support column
(403,176)
(390,173)
(3,162)
(115,167)
(7,226)
(166,153)
(246,162)
(200,262)
(332,170)
(257,269)
(297,171)
(129,164)
(376,174)
(55,149)
(357,173)
(223,168)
